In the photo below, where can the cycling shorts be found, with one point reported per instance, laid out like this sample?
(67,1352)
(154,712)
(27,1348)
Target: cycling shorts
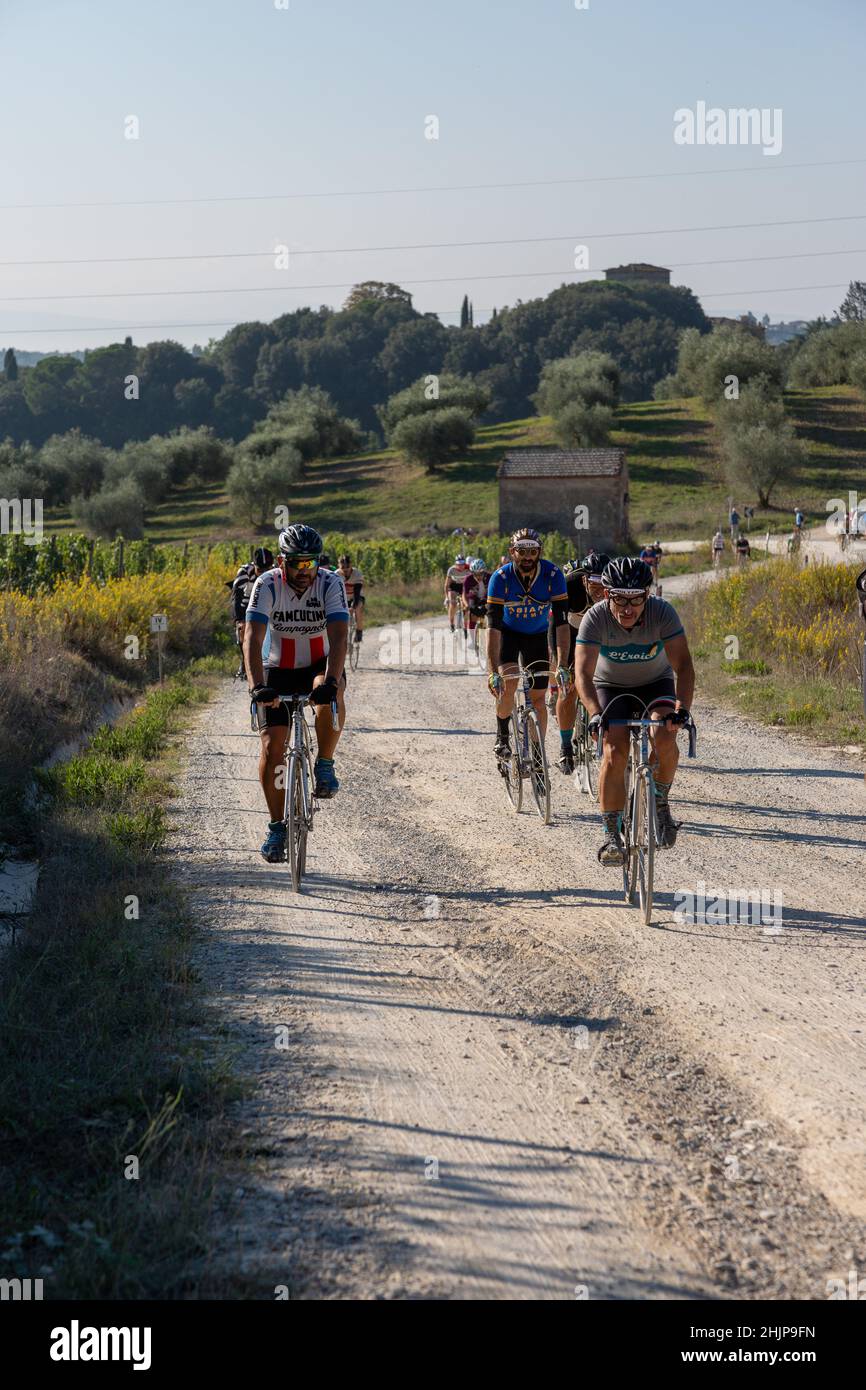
(532,646)
(637,700)
(296,680)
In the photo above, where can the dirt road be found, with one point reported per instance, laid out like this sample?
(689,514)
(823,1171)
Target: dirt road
(477,1073)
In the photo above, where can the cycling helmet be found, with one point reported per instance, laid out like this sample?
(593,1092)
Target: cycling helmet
(301,540)
(627,576)
(478,566)
(263,558)
(594,565)
(571,566)
(460,559)
(525,538)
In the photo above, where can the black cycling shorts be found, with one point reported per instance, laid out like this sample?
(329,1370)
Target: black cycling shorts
(296,680)
(532,646)
(637,700)
(455,588)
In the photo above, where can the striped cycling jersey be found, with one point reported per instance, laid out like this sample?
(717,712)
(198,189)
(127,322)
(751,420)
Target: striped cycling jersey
(297,623)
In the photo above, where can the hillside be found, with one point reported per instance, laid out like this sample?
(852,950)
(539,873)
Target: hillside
(676,490)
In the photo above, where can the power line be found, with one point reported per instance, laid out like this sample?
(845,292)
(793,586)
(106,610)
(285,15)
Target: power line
(261,255)
(465,278)
(223,323)
(767,168)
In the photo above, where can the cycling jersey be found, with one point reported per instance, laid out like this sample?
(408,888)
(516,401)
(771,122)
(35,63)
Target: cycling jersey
(242,588)
(475,590)
(297,623)
(526,610)
(353,582)
(456,575)
(635,656)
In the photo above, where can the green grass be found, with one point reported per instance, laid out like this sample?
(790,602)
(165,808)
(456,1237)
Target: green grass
(101,1027)
(675,481)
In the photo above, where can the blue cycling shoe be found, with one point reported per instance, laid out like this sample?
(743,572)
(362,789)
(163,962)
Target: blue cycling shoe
(326,779)
(274,848)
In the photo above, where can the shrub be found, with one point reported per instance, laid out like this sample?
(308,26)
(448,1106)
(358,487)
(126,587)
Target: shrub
(434,437)
(257,485)
(116,510)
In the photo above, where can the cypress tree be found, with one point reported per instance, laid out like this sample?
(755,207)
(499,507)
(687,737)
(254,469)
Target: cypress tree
(464,312)
(10,365)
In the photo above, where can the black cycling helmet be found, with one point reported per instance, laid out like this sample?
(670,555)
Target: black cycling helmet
(301,540)
(263,558)
(628,575)
(594,565)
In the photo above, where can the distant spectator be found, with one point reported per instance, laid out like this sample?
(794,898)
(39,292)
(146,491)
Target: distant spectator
(799,519)
(734,522)
(718,548)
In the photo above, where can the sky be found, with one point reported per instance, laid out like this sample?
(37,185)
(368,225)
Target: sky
(306,126)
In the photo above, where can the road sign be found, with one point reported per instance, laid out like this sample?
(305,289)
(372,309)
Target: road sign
(159,622)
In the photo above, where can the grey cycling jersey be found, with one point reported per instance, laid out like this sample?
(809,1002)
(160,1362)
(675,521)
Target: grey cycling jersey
(633,657)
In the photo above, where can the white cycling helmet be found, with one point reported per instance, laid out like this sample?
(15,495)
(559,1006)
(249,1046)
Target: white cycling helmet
(478,566)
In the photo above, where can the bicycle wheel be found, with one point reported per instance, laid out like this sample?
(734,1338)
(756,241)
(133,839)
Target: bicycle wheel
(296,821)
(591,765)
(354,647)
(629,862)
(512,775)
(645,842)
(538,769)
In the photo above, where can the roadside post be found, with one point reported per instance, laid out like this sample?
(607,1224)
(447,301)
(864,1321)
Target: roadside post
(159,626)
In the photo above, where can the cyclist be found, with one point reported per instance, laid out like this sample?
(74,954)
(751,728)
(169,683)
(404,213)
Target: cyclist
(520,596)
(454,579)
(744,550)
(718,547)
(296,638)
(632,658)
(241,588)
(584,588)
(354,582)
(475,596)
(651,555)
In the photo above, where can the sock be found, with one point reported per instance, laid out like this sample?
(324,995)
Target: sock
(325,762)
(504,727)
(612,820)
(275,825)
(566,736)
(662,789)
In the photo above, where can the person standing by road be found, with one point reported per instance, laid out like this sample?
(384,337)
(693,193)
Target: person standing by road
(734,523)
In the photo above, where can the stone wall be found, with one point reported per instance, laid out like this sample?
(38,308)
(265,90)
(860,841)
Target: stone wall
(549,505)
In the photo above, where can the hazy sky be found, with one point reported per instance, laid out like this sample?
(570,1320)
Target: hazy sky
(237,99)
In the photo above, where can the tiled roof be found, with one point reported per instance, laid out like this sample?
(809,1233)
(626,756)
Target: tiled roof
(562,463)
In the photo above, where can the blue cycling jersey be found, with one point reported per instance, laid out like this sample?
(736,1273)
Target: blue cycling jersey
(526,610)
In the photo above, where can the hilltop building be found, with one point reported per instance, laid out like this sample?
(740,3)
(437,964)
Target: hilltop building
(546,487)
(639,273)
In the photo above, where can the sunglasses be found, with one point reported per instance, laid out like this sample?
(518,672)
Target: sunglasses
(301,562)
(631,602)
